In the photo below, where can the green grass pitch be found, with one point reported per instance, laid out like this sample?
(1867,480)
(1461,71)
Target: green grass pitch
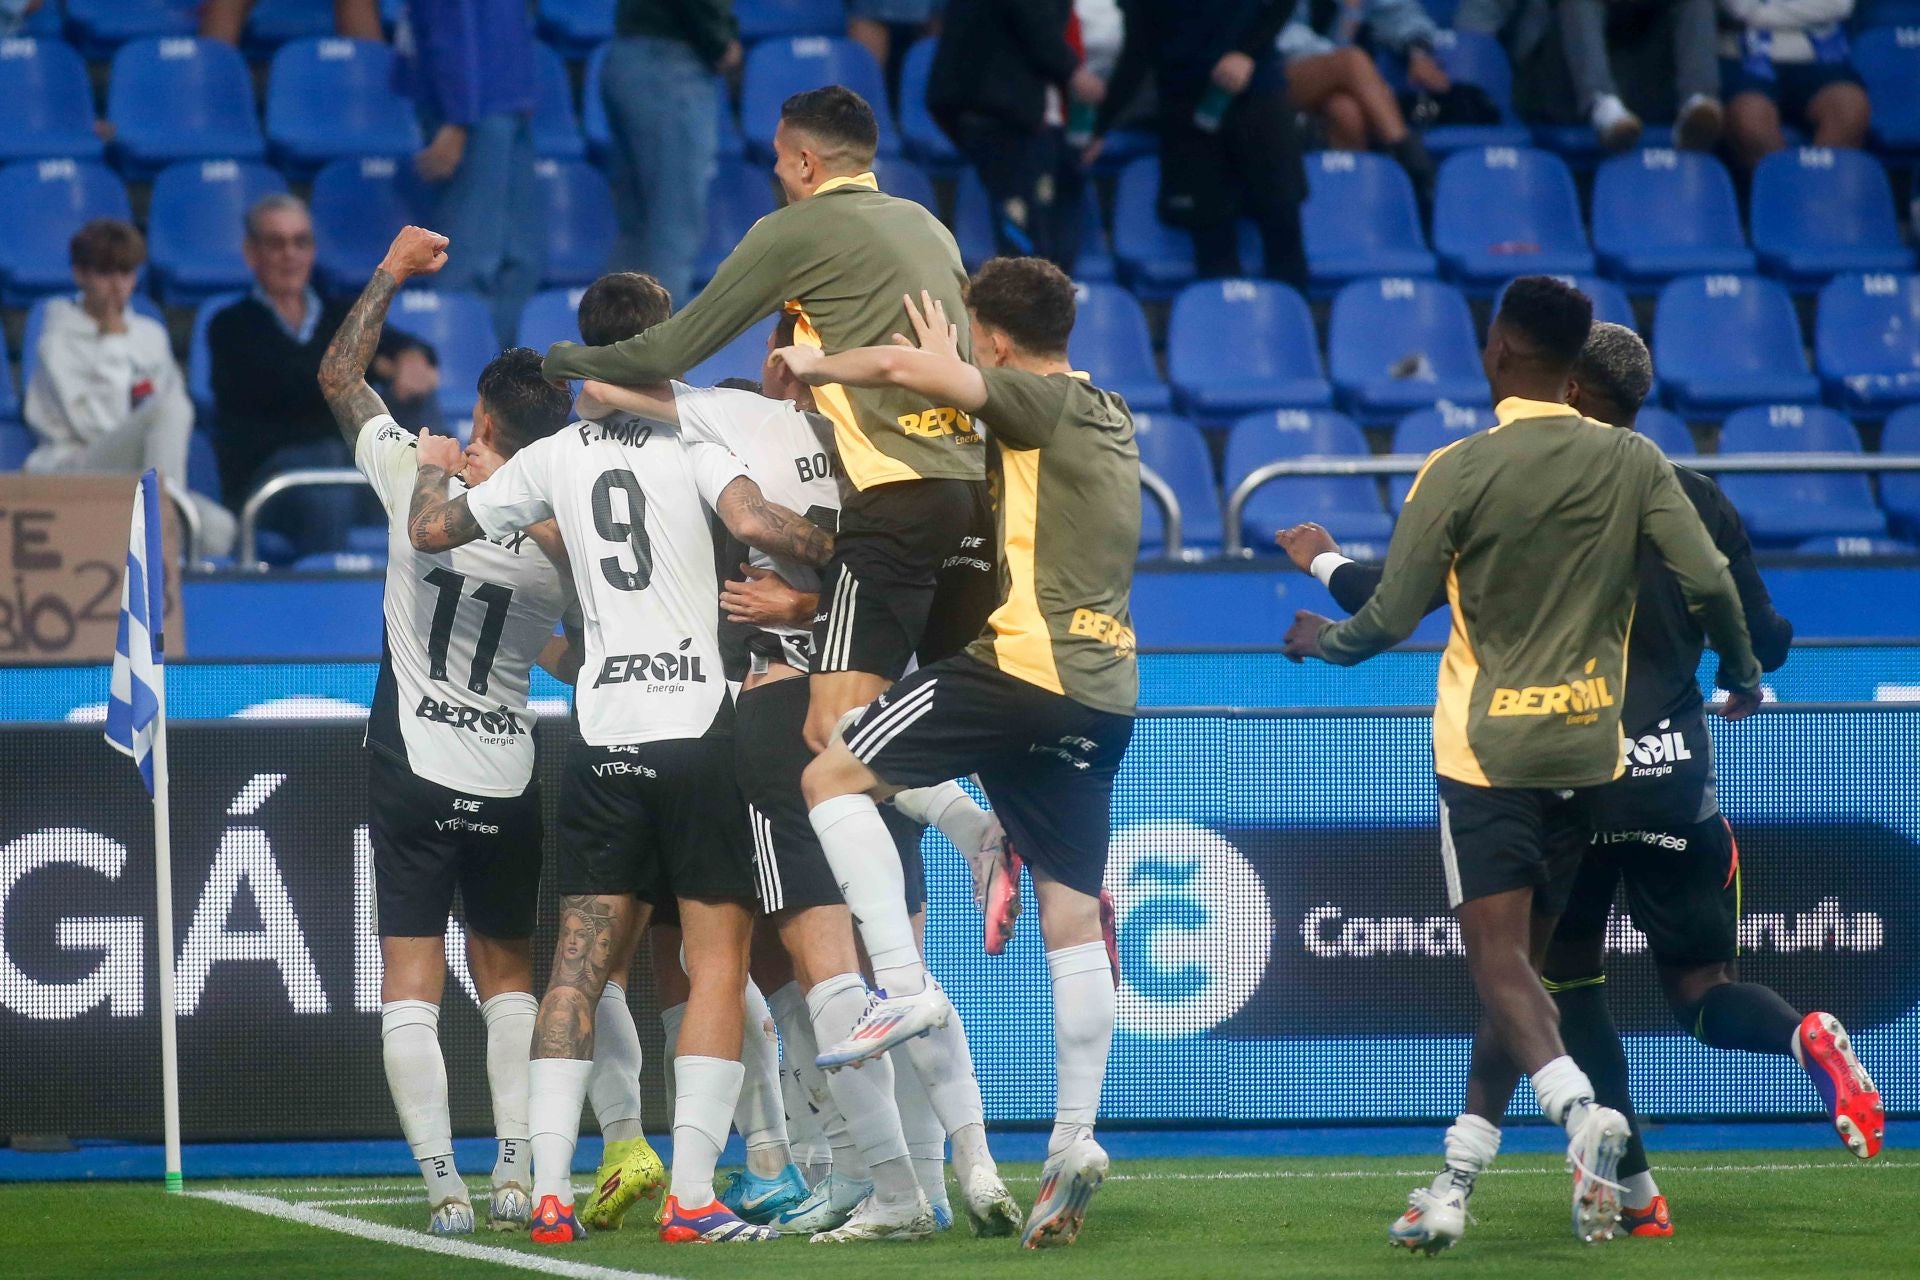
(1737,1214)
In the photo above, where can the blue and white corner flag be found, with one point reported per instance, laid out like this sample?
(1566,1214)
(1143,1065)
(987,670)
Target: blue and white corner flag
(137,701)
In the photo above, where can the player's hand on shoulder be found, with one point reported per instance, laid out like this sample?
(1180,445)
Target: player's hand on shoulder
(1303,542)
(931,329)
(416,251)
(443,452)
(481,462)
(803,362)
(1303,637)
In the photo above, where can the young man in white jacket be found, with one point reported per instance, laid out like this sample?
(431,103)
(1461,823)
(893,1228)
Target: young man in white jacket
(106,394)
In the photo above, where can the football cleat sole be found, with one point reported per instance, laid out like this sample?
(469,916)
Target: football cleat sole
(1825,1052)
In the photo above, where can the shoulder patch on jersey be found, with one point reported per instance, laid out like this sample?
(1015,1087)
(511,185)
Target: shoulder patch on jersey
(393,431)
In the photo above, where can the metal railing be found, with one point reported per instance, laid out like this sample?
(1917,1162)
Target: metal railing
(192,536)
(247,554)
(1172,542)
(1406,464)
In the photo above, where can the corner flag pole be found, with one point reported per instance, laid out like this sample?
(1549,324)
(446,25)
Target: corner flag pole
(163,927)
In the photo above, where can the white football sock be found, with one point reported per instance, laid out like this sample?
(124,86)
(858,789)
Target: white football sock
(761,1116)
(1083,1004)
(614,1086)
(944,1064)
(670,1019)
(947,806)
(1472,1143)
(1638,1190)
(708,1090)
(510,1017)
(805,1137)
(865,1096)
(926,1139)
(799,1041)
(417,1078)
(1560,1087)
(864,860)
(556,1089)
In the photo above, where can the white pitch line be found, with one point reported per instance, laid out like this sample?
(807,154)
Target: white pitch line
(1254,1175)
(309,1216)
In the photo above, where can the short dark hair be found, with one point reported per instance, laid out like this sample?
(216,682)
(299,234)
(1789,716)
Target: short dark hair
(525,406)
(1614,363)
(621,304)
(107,244)
(1028,299)
(739,384)
(1551,314)
(786,328)
(837,118)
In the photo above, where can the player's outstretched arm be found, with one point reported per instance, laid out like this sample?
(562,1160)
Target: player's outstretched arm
(654,401)
(930,365)
(416,251)
(767,526)
(434,521)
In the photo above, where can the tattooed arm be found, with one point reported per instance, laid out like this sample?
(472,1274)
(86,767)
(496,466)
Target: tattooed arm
(436,522)
(770,527)
(343,371)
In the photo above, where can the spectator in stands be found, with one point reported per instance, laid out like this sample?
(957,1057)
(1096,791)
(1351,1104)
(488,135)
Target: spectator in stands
(1788,60)
(106,394)
(226,20)
(468,65)
(1334,80)
(887,27)
(265,354)
(1000,85)
(1228,143)
(1564,52)
(1102,32)
(661,88)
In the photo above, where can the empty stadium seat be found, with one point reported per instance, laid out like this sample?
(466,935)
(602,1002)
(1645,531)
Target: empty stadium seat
(897,177)
(197,222)
(203,465)
(1722,342)
(593,116)
(37,319)
(1507,211)
(1660,213)
(1867,341)
(778,69)
(1153,258)
(1399,344)
(1856,547)
(99,27)
(1610,301)
(1360,219)
(1472,58)
(358,205)
(1888,59)
(1789,508)
(1666,429)
(1900,490)
(200,359)
(339,562)
(9,397)
(1096,260)
(177,99)
(739,196)
(1349,506)
(42,203)
(333,98)
(1426,430)
(556,127)
(49,102)
(579,217)
(744,357)
(271,23)
(459,327)
(550,316)
(16,442)
(760,19)
(1818,212)
(1177,453)
(1111,342)
(1271,362)
(576,25)
(925,140)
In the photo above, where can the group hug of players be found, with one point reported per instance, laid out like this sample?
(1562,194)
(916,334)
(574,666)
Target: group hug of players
(892,630)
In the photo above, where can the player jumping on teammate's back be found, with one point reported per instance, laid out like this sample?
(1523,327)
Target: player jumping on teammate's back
(1040,706)
(1533,527)
(652,805)
(450,751)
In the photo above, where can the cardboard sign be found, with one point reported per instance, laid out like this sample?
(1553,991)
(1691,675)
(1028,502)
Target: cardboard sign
(63,553)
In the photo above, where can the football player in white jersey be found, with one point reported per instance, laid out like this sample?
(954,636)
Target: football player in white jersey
(450,752)
(651,803)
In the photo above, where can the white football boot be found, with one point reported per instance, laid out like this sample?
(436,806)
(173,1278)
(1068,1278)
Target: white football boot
(511,1208)
(1596,1143)
(991,1209)
(1433,1220)
(872,1220)
(827,1206)
(1067,1183)
(451,1218)
(888,1021)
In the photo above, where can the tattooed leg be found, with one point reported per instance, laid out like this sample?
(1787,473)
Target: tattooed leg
(582,960)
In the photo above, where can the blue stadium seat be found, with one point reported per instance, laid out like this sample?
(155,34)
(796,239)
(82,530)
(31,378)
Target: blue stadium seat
(459,327)
(739,196)
(9,397)
(197,222)
(203,465)
(37,319)
(1155,260)
(778,69)
(1426,430)
(897,177)
(550,316)
(339,562)
(333,98)
(1177,453)
(1610,301)
(926,141)
(577,26)
(16,442)
(556,127)
(593,117)
(178,99)
(99,27)
(1360,220)
(1349,506)
(1096,260)
(42,203)
(760,19)
(1659,213)
(271,23)
(1786,509)
(1819,212)
(973,228)
(1869,14)
(1472,58)
(744,357)
(1271,362)
(49,102)
(1399,344)
(368,539)
(1722,342)
(200,359)
(580,225)
(1856,547)
(1666,429)
(359,205)
(1112,344)
(1888,59)
(1900,490)
(1867,341)
(1507,211)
